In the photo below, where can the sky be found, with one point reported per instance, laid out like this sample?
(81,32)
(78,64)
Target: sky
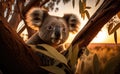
(102,36)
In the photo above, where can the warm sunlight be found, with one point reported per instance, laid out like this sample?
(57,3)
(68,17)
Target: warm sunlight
(101,37)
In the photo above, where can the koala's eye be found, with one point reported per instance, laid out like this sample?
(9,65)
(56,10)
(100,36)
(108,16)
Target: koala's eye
(50,28)
(73,25)
(64,29)
(36,14)
(73,20)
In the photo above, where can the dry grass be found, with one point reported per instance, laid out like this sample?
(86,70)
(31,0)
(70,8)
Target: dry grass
(102,59)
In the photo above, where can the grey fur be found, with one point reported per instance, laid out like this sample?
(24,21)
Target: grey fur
(52,30)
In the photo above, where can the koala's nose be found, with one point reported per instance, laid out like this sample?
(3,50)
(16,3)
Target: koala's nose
(58,34)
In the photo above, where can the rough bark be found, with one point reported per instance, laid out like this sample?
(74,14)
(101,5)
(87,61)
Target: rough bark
(15,56)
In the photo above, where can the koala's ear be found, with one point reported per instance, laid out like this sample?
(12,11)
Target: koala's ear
(35,17)
(72,22)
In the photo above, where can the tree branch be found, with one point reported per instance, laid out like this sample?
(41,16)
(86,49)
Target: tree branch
(15,56)
(106,11)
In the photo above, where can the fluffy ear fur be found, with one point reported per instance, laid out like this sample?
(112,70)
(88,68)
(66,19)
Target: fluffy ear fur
(35,17)
(72,22)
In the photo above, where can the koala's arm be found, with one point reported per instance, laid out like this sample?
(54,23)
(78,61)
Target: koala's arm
(60,48)
(35,39)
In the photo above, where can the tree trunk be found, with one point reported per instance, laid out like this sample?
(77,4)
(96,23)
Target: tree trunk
(15,56)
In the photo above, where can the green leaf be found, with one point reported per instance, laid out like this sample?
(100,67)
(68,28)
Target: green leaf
(69,53)
(83,15)
(74,56)
(73,3)
(84,4)
(88,7)
(96,65)
(53,69)
(97,2)
(81,9)
(110,28)
(55,53)
(115,37)
(87,14)
(50,52)
(38,50)
(115,28)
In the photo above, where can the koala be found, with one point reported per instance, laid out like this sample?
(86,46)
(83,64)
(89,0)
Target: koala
(51,30)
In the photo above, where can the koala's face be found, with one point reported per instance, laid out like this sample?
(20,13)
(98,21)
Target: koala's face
(51,29)
(54,30)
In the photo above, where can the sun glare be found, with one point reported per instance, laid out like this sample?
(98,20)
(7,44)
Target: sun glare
(100,38)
